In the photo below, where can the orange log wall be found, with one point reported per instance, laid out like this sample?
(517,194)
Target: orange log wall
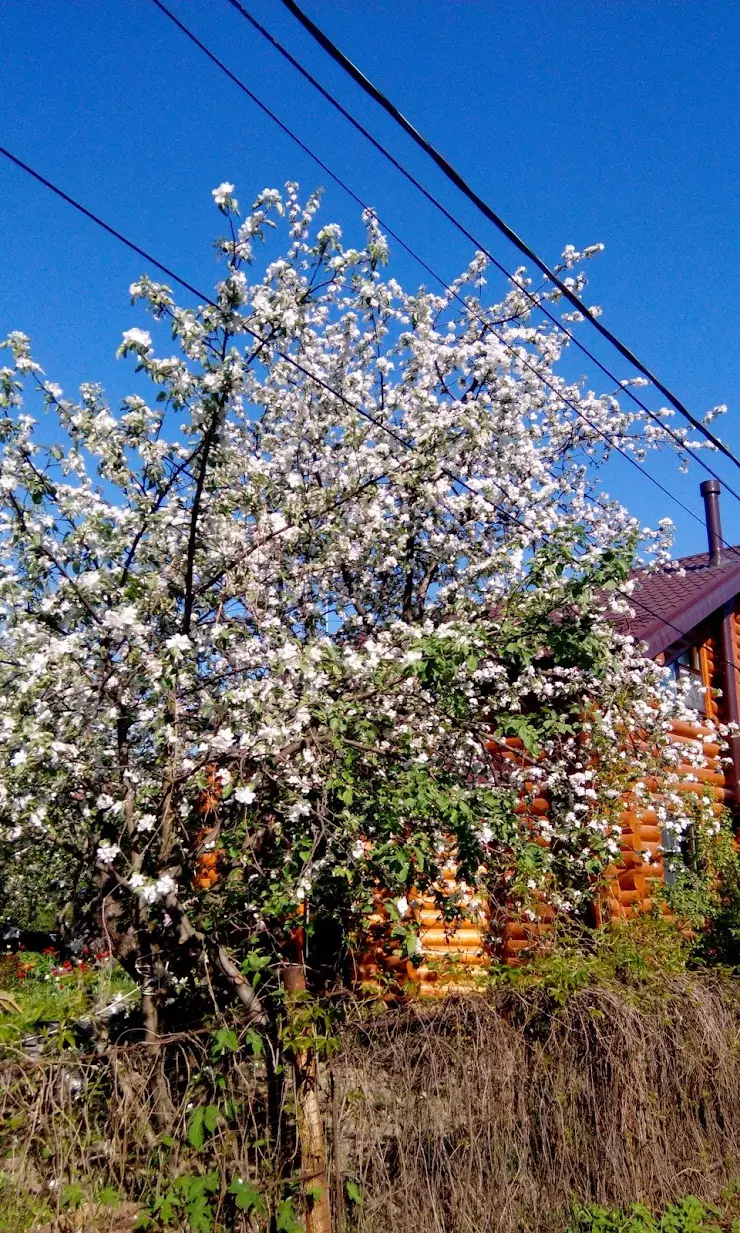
(631,887)
(453,956)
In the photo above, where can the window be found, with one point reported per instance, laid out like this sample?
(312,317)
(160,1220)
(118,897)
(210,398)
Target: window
(687,666)
(673,857)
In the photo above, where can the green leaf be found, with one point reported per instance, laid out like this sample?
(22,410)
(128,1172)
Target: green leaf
(200,1215)
(166,1206)
(225,1040)
(354,1194)
(196,1134)
(255,1042)
(73,1196)
(246,1197)
(285,1218)
(210,1118)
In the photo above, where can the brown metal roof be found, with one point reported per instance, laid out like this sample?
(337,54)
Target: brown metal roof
(670,603)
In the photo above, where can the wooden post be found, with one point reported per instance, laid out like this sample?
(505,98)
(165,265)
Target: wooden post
(309,1121)
(730,682)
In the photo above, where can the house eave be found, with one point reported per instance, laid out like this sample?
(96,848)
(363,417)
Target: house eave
(667,630)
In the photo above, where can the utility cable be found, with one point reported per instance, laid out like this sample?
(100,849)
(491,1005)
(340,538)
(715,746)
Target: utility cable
(118,235)
(420,260)
(99,222)
(494,261)
(130,244)
(457,179)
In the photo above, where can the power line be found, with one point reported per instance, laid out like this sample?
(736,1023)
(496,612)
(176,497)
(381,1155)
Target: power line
(118,235)
(479,244)
(454,176)
(132,246)
(416,256)
(424,265)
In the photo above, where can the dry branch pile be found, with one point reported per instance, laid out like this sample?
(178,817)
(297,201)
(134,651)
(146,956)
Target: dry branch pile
(464,1116)
(477,1115)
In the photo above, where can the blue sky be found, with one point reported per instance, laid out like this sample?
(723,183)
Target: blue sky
(578,120)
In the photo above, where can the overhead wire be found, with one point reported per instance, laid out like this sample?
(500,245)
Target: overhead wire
(132,246)
(458,180)
(613,444)
(715,442)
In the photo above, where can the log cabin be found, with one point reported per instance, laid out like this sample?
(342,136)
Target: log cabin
(688,617)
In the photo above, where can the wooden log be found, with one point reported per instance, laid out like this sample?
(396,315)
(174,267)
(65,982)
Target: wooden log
(648,834)
(703,773)
(628,898)
(633,845)
(696,731)
(538,806)
(514,946)
(719,794)
(523,930)
(470,939)
(637,879)
(710,749)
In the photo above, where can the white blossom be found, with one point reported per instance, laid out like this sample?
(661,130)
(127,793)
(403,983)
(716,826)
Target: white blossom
(236,580)
(223,196)
(107,853)
(137,339)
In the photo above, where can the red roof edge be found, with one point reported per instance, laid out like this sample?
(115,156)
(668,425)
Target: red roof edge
(666,630)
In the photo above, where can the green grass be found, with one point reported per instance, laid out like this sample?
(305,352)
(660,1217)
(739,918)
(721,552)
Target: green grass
(688,1215)
(51,999)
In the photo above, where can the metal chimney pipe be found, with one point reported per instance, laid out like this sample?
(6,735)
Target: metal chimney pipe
(710,490)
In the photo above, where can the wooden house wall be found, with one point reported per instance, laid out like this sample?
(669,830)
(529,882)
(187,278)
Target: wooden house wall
(452,957)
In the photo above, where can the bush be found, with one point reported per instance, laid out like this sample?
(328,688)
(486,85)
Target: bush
(688,1215)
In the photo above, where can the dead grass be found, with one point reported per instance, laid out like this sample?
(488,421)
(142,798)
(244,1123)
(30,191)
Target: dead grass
(472,1115)
(493,1114)
(94,1219)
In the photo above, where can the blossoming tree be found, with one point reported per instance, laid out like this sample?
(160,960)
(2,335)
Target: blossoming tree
(275,612)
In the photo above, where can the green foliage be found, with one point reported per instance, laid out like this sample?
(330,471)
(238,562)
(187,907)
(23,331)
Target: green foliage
(202,1196)
(52,999)
(688,1215)
(308,1024)
(225,1040)
(202,1122)
(353,1193)
(635,954)
(22,1209)
(246,1197)
(286,1220)
(706,892)
(19,1211)
(187,1201)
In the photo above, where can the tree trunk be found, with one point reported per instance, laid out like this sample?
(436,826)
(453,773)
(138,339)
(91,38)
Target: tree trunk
(310,1123)
(163,1110)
